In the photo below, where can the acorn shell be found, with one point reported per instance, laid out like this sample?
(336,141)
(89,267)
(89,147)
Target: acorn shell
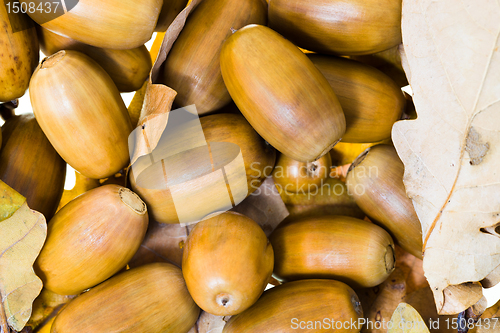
(327,301)
(192,67)
(81,112)
(375,180)
(332,198)
(371,101)
(227,262)
(148,299)
(350,27)
(19,53)
(203,195)
(91,238)
(344,248)
(281,93)
(299,177)
(127,68)
(30,165)
(113,24)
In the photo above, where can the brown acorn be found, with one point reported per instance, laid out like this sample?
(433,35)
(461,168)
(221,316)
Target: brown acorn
(227,262)
(147,299)
(81,112)
(305,306)
(375,180)
(347,249)
(91,238)
(19,52)
(371,101)
(127,68)
(332,198)
(338,27)
(30,165)
(203,195)
(192,67)
(281,93)
(299,177)
(112,24)
(169,11)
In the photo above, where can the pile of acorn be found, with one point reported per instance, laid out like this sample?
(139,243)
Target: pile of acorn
(239,63)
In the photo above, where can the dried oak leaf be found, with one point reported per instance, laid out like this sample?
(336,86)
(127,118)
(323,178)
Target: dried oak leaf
(450,153)
(406,319)
(22,234)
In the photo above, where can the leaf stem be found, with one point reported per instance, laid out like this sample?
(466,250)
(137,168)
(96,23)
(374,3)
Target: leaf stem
(4,327)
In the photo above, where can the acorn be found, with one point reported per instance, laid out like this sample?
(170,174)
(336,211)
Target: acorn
(91,238)
(112,24)
(197,184)
(281,93)
(147,299)
(192,67)
(299,177)
(81,112)
(30,165)
(332,198)
(227,262)
(19,52)
(308,305)
(128,69)
(169,12)
(343,248)
(353,28)
(371,101)
(375,180)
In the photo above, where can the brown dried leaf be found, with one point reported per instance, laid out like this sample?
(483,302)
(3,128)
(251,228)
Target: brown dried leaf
(451,160)
(22,237)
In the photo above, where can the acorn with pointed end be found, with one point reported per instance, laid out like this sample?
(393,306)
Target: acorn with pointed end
(192,67)
(91,238)
(337,26)
(19,52)
(281,93)
(299,177)
(300,304)
(148,299)
(343,248)
(227,262)
(375,180)
(30,165)
(81,112)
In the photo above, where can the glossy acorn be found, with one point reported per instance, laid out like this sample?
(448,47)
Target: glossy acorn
(298,305)
(343,248)
(30,165)
(227,263)
(91,238)
(169,11)
(192,67)
(371,101)
(19,52)
(112,24)
(299,177)
(81,112)
(375,180)
(128,69)
(281,93)
(197,185)
(148,299)
(338,26)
